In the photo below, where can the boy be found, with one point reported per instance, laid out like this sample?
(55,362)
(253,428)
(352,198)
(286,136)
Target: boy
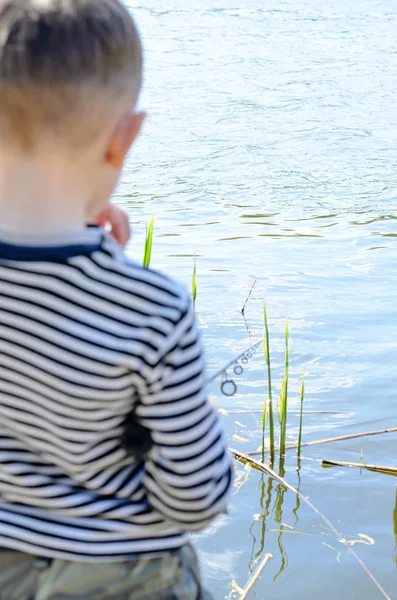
(109,450)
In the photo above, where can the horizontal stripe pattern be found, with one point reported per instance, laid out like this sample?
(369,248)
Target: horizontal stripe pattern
(84,340)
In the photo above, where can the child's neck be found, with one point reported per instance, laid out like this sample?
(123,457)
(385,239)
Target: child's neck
(41,196)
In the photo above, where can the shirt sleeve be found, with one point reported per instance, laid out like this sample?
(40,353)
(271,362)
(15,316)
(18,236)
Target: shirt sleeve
(188,473)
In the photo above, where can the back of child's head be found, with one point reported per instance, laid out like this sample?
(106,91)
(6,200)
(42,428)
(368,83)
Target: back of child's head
(65,67)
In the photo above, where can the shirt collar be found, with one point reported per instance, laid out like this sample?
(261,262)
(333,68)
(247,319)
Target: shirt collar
(22,246)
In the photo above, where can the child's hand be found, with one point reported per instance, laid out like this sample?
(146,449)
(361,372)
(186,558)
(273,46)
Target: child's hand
(119,224)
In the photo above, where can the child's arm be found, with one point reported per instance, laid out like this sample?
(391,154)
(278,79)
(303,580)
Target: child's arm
(188,471)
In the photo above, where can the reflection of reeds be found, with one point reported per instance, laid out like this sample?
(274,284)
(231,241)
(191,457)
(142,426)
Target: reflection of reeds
(278,517)
(298,500)
(263,468)
(265,506)
(263,420)
(269,504)
(266,347)
(148,244)
(301,416)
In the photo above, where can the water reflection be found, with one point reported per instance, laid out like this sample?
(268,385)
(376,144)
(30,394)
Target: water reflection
(278,517)
(298,500)
(291,145)
(274,519)
(266,490)
(271,501)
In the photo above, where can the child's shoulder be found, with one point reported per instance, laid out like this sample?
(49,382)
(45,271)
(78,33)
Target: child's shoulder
(151,285)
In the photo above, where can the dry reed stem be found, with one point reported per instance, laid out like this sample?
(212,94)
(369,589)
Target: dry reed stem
(341,463)
(260,466)
(241,411)
(335,439)
(254,578)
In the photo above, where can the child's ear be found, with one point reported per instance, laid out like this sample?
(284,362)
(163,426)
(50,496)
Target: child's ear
(122,138)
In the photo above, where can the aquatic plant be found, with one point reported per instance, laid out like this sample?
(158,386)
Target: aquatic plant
(268,402)
(283,408)
(148,244)
(266,348)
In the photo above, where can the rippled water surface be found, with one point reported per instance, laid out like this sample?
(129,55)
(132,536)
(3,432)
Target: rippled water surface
(270,151)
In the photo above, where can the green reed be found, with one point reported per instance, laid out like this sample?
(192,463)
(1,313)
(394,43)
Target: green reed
(266,347)
(148,244)
(268,408)
(283,408)
(301,416)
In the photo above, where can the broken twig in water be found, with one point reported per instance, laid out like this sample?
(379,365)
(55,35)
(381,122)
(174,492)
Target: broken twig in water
(335,439)
(341,463)
(260,466)
(255,576)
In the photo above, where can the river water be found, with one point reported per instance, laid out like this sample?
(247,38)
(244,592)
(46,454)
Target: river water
(270,151)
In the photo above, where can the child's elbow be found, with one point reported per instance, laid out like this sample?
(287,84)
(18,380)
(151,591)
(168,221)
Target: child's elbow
(195,514)
(201,520)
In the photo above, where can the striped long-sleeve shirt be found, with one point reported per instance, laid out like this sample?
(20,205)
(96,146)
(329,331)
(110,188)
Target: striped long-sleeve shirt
(86,337)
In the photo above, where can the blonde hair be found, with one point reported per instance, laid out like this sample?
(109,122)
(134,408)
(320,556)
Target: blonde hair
(64,65)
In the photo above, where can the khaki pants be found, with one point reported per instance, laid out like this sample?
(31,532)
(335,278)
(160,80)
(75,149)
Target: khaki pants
(173,576)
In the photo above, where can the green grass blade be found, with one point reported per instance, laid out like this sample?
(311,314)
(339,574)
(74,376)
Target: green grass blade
(266,347)
(283,410)
(281,405)
(266,337)
(148,244)
(301,416)
(283,414)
